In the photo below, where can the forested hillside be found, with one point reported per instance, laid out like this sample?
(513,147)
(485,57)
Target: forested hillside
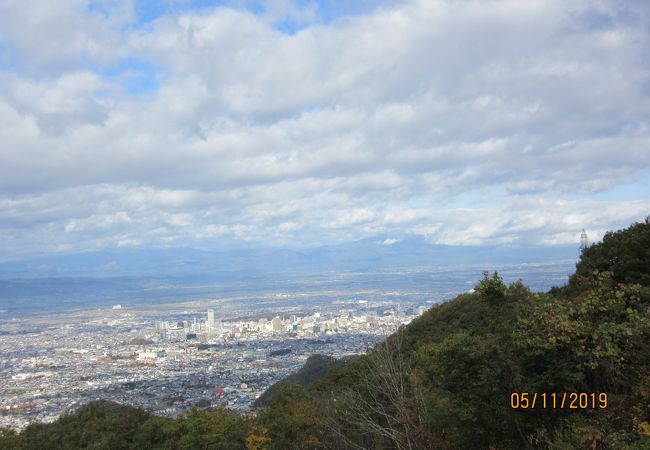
(446,381)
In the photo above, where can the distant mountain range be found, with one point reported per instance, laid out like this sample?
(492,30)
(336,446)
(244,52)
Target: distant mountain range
(367,254)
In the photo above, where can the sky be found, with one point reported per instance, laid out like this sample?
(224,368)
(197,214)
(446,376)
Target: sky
(214,124)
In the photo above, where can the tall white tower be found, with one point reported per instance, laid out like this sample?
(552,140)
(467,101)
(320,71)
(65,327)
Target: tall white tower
(210,322)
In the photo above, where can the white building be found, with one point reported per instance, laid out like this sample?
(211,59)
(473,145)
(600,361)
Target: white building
(277,324)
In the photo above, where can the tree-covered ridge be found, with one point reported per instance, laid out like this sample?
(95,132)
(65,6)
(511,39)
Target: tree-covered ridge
(108,425)
(445,380)
(624,253)
(314,369)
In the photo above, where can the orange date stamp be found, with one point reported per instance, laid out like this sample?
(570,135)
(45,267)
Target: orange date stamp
(558,400)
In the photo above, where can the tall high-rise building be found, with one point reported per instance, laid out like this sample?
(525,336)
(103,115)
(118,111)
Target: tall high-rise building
(261,324)
(210,318)
(277,323)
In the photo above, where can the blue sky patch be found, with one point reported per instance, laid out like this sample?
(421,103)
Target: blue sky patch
(326,11)
(137,77)
(8,57)
(633,190)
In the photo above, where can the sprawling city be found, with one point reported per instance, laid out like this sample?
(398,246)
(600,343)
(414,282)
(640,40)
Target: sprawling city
(167,359)
(184,347)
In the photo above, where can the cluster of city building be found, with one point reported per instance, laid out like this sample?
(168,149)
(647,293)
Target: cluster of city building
(379,321)
(169,364)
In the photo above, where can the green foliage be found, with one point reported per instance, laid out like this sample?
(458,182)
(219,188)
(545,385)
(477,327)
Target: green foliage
(107,425)
(466,356)
(293,419)
(460,361)
(8,438)
(492,289)
(97,425)
(313,370)
(624,253)
(157,433)
(212,430)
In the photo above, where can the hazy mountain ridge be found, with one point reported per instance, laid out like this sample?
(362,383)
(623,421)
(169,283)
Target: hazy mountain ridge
(360,255)
(137,276)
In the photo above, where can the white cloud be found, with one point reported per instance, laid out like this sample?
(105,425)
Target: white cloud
(390,121)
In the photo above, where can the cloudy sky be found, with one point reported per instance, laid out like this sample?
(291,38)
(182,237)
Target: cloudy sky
(299,123)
